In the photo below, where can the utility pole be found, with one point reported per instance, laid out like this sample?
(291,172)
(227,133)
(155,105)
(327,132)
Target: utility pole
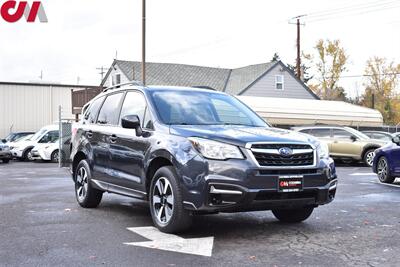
(298,43)
(144,42)
(41,75)
(102,72)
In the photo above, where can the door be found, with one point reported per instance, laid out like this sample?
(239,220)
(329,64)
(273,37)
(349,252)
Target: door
(345,144)
(92,135)
(106,127)
(128,150)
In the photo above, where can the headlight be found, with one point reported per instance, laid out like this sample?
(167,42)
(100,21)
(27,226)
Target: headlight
(216,150)
(323,151)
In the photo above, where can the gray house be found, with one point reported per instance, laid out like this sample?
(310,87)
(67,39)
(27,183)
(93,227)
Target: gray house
(273,79)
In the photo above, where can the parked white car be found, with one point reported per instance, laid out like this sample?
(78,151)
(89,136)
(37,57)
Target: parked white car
(46,135)
(21,139)
(47,152)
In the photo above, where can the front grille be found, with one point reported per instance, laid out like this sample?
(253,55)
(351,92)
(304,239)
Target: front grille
(303,155)
(278,146)
(289,172)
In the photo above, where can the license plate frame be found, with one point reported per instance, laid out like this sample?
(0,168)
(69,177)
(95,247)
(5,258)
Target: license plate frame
(290,183)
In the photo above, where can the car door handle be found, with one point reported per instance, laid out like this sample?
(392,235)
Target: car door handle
(89,134)
(113,139)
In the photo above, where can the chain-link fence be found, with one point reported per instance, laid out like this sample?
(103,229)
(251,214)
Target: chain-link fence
(65,126)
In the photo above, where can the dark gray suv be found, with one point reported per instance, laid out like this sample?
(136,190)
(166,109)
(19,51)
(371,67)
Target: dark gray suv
(193,151)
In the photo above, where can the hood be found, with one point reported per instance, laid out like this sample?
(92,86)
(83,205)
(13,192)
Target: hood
(241,135)
(23,144)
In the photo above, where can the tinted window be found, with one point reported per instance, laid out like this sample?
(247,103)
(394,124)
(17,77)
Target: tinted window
(341,134)
(94,110)
(202,108)
(321,133)
(134,104)
(50,137)
(109,111)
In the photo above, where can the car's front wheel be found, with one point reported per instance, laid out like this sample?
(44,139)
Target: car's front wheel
(55,156)
(383,171)
(369,157)
(86,195)
(293,215)
(166,203)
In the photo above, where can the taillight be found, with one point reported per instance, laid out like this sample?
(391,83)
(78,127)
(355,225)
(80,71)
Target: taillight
(73,132)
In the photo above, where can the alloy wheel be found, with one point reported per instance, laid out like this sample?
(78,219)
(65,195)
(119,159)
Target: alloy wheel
(163,200)
(56,156)
(81,184)
(370,158)
(382,169)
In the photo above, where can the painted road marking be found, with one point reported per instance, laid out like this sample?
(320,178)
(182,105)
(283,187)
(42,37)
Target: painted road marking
(162,241)
(363,174)
(392,185)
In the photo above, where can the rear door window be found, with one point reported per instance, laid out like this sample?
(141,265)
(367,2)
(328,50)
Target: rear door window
(91,114)
(110,110)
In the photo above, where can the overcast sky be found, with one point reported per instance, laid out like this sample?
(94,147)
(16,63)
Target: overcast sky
(84,35)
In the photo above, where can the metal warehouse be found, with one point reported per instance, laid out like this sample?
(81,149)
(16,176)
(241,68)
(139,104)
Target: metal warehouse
(29,106)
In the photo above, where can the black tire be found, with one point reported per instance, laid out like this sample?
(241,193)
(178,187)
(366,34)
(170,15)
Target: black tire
(55,156)
(369,157)
(383,169)
(6,161)
(293,215)
(25,155)
(86,195)
(175,218)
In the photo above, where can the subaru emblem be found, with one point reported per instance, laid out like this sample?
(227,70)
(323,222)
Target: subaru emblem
(285,151)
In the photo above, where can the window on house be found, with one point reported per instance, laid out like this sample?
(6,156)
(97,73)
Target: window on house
(279,82)
(116,79)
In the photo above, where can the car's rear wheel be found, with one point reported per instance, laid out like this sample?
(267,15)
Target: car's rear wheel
(55,156)
(293,215)
(6,160)
(369,157)
(166,203)
(86,195)
(383,171)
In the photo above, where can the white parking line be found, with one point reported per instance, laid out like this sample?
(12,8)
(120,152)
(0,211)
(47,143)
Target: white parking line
(392,185)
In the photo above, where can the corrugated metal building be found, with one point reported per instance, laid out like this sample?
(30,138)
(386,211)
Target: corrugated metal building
(29,106)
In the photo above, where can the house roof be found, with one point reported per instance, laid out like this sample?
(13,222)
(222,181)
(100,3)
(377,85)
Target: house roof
(232,81)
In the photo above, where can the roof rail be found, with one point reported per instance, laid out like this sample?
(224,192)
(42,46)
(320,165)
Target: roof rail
(122,84)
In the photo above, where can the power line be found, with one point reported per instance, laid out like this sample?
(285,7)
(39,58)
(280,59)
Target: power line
(371,75)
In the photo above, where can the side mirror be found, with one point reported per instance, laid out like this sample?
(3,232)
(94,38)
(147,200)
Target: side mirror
(353,138)
(4,141)
(396,140)
(132,122)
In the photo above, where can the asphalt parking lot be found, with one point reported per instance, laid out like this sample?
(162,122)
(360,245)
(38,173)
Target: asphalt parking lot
(41,225)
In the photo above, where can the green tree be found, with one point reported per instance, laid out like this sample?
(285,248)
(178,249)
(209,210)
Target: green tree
(330,64)
(380,88)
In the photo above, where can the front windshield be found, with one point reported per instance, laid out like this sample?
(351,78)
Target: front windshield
(23,138)
(358,133)
(37,135)
(203,108)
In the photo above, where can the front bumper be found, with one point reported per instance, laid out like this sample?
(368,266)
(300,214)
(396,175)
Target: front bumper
(17,153)
(5,155)
(238,185)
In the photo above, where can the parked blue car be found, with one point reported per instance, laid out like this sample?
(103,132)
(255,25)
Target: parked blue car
(387,161)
